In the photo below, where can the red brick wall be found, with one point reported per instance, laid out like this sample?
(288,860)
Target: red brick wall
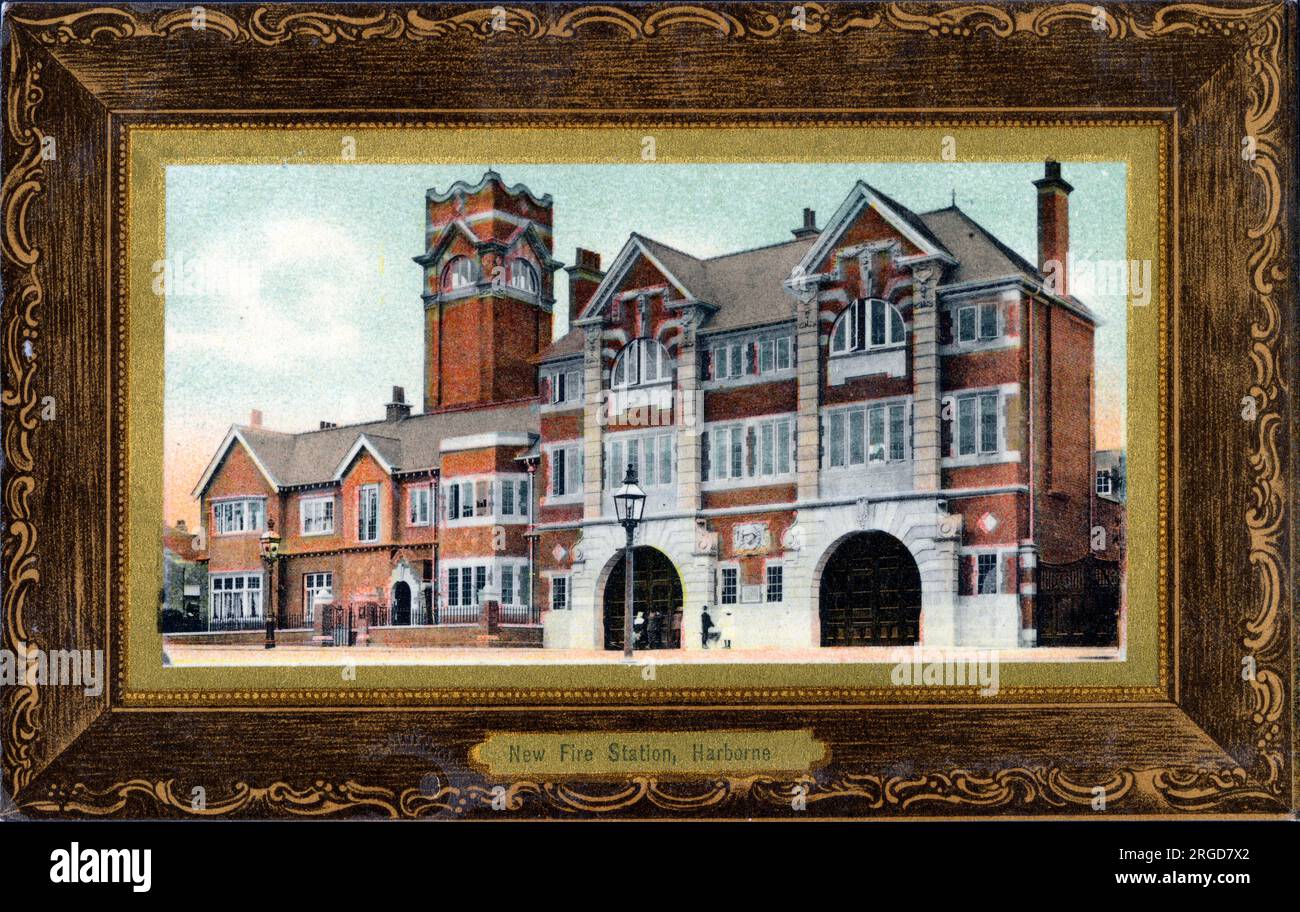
(238,475)
(740,402)
(1063,433)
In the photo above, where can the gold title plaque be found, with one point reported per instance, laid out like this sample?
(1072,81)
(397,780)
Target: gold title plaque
(509,754)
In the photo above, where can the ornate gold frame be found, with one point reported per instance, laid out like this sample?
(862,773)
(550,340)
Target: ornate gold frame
(1222,744)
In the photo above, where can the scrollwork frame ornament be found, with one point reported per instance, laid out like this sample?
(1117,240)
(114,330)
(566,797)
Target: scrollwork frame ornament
(76,760)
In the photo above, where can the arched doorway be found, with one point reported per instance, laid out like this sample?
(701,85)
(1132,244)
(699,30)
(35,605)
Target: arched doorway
(401,604)
(656,597)
(870,593)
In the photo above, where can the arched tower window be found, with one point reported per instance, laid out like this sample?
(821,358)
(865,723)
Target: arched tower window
(523,276)
(868,323)
(460,273)
(642,362)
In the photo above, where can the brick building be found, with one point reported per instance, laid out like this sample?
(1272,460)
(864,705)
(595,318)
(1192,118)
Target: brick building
(867,434)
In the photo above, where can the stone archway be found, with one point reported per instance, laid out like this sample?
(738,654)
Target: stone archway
(657,598)
(870,593)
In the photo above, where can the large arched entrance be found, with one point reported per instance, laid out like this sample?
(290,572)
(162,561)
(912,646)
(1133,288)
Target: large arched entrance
(870,593)
(656,602)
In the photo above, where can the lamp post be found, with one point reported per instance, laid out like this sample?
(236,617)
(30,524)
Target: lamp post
(629,504)
(270,548)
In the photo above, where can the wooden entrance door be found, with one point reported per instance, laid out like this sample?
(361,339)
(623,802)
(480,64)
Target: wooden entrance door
(870,593)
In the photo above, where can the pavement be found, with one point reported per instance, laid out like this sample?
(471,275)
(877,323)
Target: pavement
(198,655)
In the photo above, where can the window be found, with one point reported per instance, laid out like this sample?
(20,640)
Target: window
(977,424)
(317,515)
(507,585)
(523,277)
(728,457)
(460,500)
(986,574)
(566,471)
(652,454)
(230,517)
(368,513)
(236,596)
(522,501)
(759,449)
(1104,482)
(418,506)
(508,498)
(460,273)
(775,583)
(875,434)
(464,584)
(867,324)
(730,588)
(566,386)
(978,322)
(559,592)
(749,357)
(774,438)
(316,588)
(641,362)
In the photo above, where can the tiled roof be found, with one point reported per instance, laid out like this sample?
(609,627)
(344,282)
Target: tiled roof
(407,445)
(746,286)
(566,346)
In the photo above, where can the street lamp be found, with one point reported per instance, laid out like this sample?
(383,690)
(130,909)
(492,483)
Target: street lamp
(270,548)
(629,504)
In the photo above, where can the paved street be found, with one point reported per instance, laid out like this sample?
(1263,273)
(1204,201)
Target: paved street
(198,656)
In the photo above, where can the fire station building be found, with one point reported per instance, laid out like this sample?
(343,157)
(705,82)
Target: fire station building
(867,434)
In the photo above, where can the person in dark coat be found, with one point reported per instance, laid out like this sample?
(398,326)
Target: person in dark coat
(706,626)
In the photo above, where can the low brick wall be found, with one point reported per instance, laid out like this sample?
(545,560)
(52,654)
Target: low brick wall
(469,635)
(238,638)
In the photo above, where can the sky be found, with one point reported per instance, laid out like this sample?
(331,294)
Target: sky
(292,289)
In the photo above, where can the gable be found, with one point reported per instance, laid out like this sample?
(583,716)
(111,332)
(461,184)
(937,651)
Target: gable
(236,468)
(868,216)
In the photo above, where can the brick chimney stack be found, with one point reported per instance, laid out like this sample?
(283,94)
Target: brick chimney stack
(1054,227)
(584,278)
(809,226)
(255,418)
(399,408)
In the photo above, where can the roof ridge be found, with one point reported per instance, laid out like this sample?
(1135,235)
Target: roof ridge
(997,242)
(723,256)
(646,237)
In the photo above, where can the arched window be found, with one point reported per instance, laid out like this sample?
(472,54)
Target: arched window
(460,273)
(642,362)
(868,323)
(523,277)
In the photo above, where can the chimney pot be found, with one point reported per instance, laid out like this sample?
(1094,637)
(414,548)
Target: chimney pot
(398,409)
(255,418)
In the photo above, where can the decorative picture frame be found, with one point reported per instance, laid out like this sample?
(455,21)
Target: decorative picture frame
(1218,737)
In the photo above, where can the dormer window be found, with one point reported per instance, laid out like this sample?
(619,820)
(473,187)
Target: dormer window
(642,362)
(523,277)
(460,273)
(867,324)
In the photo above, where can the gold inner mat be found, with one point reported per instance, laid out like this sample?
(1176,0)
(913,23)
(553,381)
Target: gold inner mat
(1141,145)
